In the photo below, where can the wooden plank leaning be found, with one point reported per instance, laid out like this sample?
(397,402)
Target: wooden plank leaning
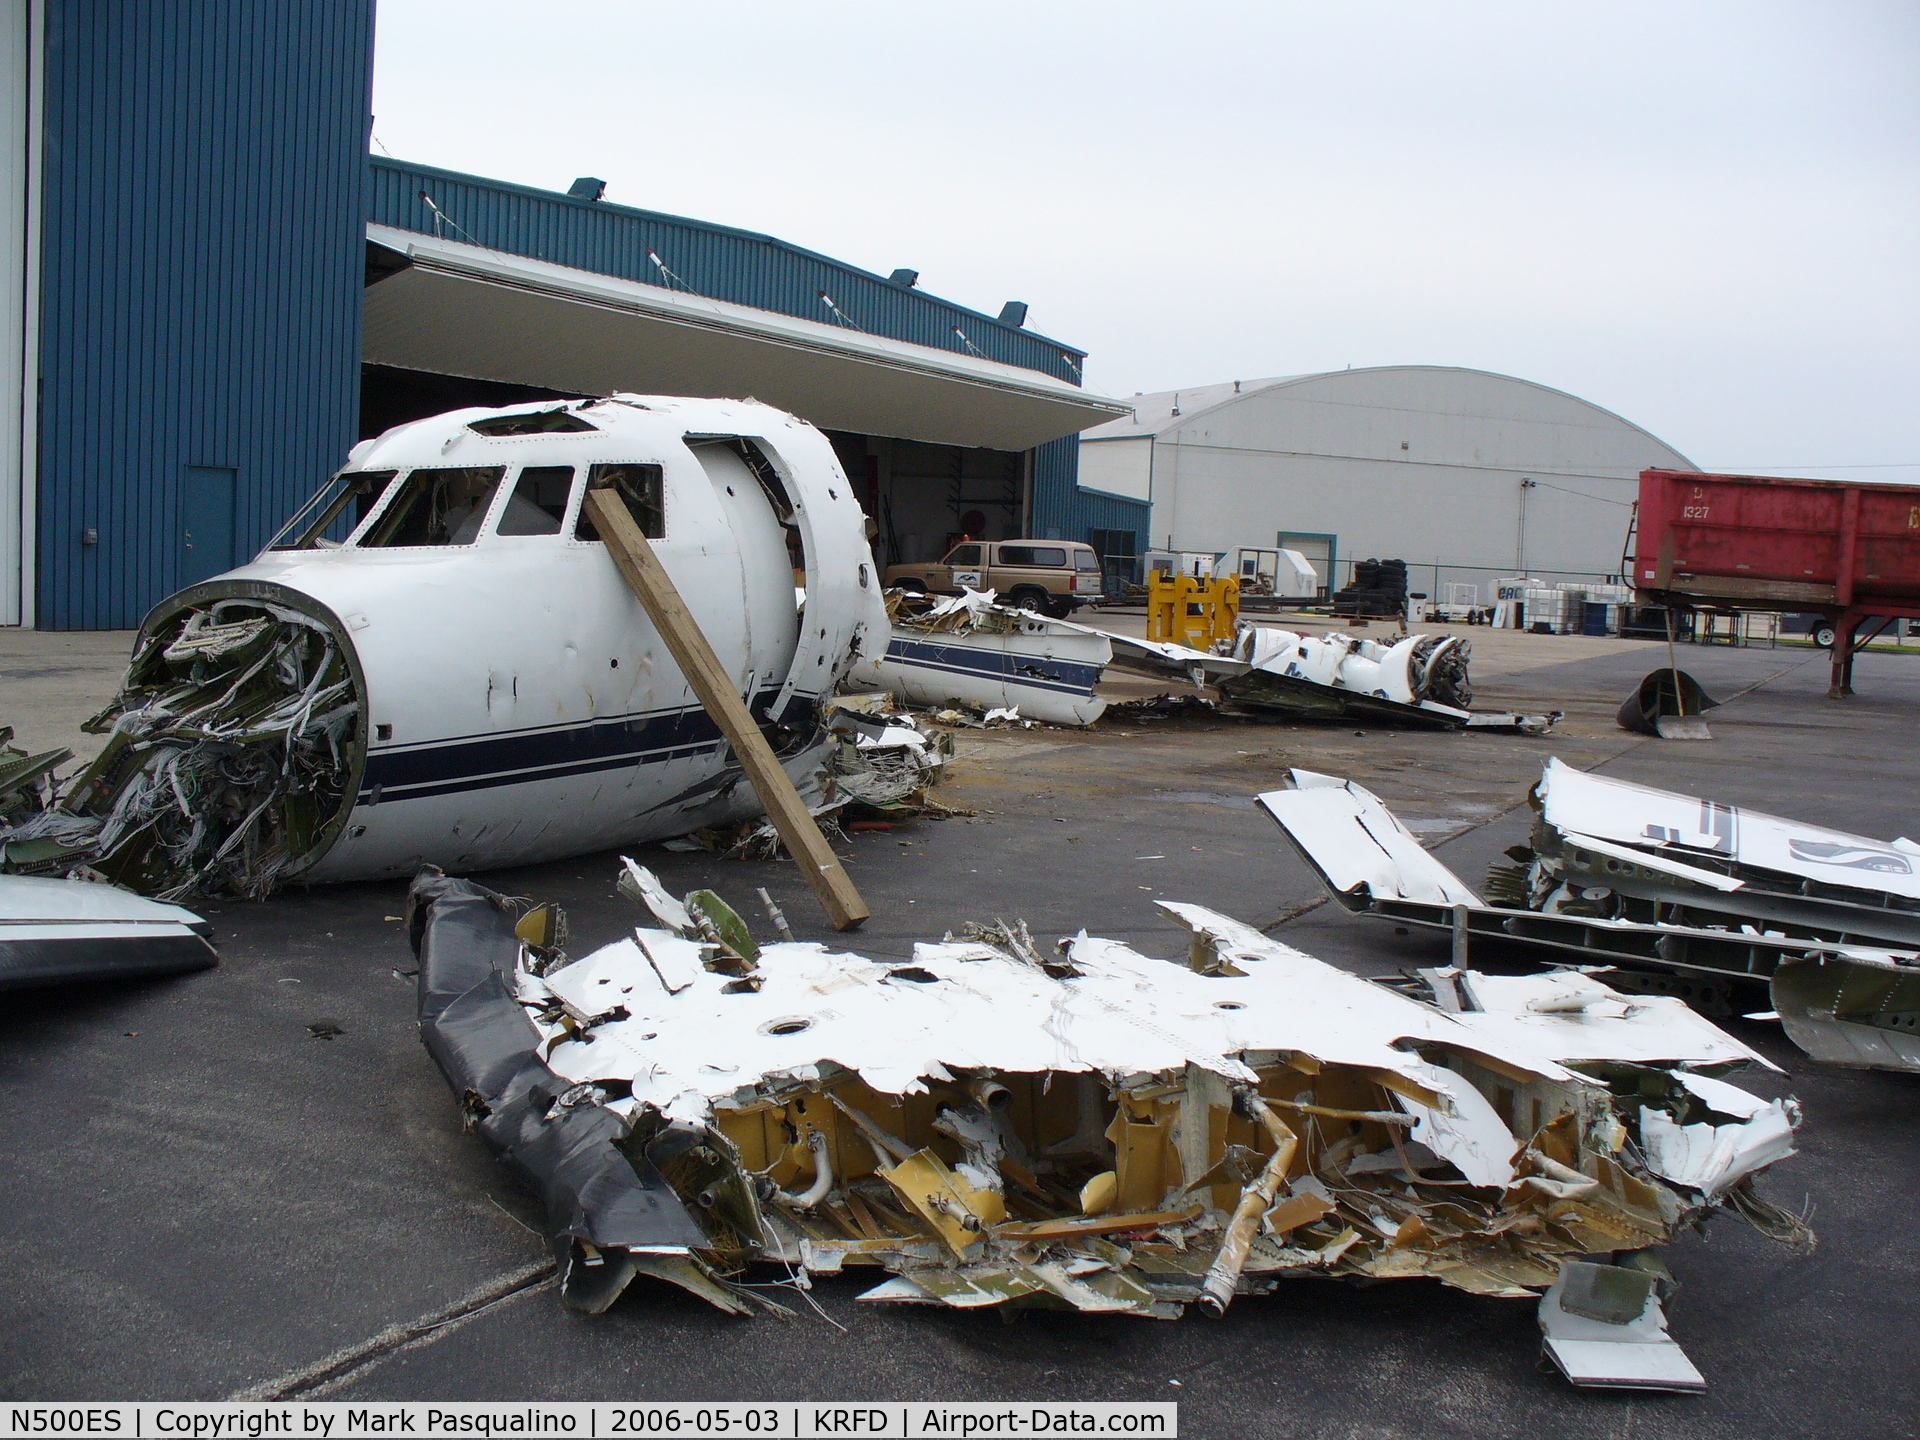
(654,588)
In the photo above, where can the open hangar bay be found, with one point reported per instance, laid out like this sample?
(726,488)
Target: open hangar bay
(207,1200)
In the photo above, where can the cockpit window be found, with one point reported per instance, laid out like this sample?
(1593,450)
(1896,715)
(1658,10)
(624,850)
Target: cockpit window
(324,520)
(538,503)
(436,507)
(639,486)
(542,422)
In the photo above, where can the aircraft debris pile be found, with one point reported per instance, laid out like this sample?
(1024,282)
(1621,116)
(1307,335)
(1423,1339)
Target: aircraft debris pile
(1296,675)
(966,652)
(886,760)
(882,766)
(1082,1128)
(1270,673)
(1687,896)
(233,744)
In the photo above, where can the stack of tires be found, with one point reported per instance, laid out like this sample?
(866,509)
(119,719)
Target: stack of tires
(1378,587)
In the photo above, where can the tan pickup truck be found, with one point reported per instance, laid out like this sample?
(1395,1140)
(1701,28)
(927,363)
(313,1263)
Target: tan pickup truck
(1049,577)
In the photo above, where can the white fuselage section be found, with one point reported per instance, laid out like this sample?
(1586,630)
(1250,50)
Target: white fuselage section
(519,704)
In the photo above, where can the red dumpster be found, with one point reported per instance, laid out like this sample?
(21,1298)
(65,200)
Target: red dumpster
(1844,549)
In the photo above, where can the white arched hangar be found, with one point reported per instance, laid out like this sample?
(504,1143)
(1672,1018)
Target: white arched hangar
(1466,475)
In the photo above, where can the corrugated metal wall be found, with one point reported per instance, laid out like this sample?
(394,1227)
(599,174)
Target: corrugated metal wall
(721,263)
(1063,511)
(204,220)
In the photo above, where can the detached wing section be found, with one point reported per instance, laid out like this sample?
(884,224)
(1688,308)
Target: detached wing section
(1682,912)
(1361,852)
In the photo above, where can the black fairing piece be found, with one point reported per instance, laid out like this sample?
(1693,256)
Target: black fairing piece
(1663,692)
(488,1049)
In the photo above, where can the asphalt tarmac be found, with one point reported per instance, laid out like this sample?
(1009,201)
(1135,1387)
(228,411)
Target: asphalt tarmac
(204,1198)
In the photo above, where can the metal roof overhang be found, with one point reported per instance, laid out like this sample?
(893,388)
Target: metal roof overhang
(457,309)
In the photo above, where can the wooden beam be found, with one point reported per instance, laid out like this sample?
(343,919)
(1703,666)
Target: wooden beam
(655,590)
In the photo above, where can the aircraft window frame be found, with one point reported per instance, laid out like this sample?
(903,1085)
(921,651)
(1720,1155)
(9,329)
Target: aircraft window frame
(511,494)
(396,490)
(328,502)
(652,518)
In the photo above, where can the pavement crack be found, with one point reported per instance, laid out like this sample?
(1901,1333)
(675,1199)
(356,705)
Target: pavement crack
(1292,912)
(343,1365)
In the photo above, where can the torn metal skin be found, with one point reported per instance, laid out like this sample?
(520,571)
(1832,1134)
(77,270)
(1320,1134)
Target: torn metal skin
(1088,1128)
(26,780)
(235,740)
(1603,1326)
(883,766)
(1687,896)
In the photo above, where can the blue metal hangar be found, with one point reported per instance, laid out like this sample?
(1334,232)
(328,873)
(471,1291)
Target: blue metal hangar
(209,291)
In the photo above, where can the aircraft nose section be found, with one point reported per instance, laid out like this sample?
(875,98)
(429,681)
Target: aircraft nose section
(236,747)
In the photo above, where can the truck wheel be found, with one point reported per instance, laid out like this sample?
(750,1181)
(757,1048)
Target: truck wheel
(1034,602)
(912,587)
(1823,635)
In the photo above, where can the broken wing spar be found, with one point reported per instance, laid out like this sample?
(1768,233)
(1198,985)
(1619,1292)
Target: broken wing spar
(1661,885)
(1086,1129)
(437,661)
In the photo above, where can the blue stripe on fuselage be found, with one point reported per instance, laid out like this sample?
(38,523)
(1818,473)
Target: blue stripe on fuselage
(1072,677)
(518,757)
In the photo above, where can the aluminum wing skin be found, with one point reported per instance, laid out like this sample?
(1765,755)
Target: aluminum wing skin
(1357,847)
(56,931)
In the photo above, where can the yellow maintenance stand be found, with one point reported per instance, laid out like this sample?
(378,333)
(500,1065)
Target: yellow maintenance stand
(1191,612)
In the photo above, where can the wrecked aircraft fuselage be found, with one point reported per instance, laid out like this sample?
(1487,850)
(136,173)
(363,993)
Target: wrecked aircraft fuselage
(1088,1129)
(437,661)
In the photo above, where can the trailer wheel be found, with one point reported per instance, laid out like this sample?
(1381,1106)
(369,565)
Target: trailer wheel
(1824,635)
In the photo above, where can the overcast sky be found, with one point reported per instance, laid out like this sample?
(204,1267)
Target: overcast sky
(1703,216)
